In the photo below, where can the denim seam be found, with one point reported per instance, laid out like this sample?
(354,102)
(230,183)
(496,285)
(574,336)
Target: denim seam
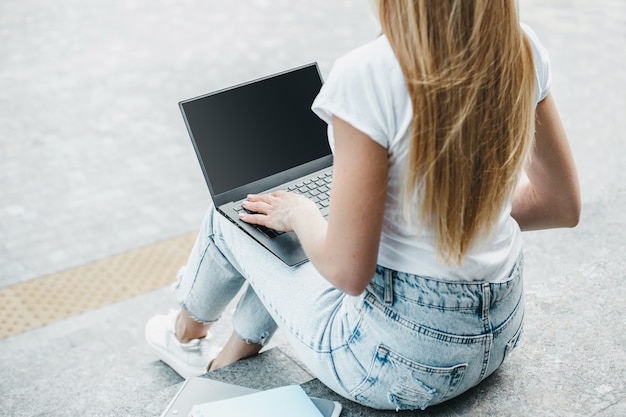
(340,381)
(204,252)
(386,351)
(263,338)
(422,304)
(388,290)
(509,319)
(462,340)
(486,306)
(184,303)
(515,274)
(488,344)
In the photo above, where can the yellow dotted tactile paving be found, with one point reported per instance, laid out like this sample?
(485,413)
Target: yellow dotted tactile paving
(54,297)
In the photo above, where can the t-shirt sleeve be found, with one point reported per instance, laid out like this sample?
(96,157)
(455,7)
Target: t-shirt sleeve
(541,60)
(355,92)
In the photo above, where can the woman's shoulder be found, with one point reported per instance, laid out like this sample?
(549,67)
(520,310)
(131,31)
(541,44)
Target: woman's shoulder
(541,61)
(374,56)
(364,88)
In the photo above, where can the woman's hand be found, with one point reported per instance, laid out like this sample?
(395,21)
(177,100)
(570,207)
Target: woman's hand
(343,249)
(277,210)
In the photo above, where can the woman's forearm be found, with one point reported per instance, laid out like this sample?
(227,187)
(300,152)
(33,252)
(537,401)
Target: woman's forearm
(339,266)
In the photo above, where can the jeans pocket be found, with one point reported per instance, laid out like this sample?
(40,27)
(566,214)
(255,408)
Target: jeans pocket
(398,383)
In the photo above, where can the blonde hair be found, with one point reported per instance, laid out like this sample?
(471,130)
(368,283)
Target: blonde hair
(470,76)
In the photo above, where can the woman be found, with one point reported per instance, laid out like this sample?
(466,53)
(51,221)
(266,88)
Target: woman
(413,293)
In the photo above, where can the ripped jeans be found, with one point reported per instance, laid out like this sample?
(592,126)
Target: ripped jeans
(407,342)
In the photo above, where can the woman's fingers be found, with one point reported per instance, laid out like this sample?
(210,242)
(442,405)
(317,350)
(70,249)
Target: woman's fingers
(256,206)
(270,210)
(263,203)
(259,208)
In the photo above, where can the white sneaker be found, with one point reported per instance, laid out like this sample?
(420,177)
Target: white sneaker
(187,359)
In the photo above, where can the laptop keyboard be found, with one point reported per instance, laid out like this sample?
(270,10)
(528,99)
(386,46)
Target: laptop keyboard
(316,188)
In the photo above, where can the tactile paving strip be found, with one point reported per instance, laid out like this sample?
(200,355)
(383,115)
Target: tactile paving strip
(55,297)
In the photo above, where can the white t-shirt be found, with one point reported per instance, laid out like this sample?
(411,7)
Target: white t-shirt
(366,88)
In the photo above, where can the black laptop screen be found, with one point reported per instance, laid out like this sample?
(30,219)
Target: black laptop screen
(258,129)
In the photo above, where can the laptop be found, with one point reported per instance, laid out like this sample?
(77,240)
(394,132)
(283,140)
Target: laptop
(258,137)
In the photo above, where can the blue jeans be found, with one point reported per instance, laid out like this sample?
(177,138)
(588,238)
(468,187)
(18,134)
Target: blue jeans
(406,342)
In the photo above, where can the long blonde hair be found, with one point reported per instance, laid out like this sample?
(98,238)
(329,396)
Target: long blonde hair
(470,76)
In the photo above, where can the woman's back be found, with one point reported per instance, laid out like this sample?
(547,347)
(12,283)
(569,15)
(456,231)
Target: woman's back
(368,89)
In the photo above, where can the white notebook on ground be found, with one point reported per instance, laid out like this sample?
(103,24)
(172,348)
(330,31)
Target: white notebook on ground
(200,390)
(288,401)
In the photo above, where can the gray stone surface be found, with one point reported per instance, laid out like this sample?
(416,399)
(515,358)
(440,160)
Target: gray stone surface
(95,160)
(95,156)
(273,368)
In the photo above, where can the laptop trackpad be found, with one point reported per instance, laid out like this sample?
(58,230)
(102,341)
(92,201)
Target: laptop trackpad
(290,248)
